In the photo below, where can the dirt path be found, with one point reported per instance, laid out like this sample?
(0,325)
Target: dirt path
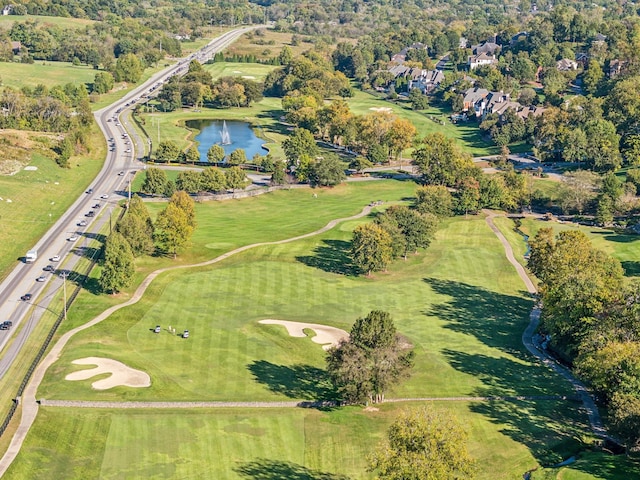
(28,400)
(588,403)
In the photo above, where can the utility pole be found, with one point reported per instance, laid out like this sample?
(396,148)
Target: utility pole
(64,293)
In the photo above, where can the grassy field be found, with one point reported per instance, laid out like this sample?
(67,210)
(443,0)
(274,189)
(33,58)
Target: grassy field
(65,22)
(467,135)
(39,197)
(465,325)
(247,45)
(47,73)
(624,247)
(253,71)
(245,444)
(592,465)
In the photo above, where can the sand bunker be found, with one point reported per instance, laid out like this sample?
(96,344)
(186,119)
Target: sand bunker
(381,109)
(325,335)
(121,375)
(249,77)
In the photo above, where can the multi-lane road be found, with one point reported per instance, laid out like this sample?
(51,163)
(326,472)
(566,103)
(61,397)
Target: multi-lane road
(67,236)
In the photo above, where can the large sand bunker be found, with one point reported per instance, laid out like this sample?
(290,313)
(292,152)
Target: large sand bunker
(381,109)
(325,335)
(121,375)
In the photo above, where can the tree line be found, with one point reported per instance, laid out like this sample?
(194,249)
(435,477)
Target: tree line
(592,317)
(136,235)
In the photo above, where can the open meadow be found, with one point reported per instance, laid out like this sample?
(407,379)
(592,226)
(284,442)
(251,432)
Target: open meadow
(459,303)
(19,75)
(6,21)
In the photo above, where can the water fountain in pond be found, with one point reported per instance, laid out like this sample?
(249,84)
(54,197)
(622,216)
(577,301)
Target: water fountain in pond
(226,138)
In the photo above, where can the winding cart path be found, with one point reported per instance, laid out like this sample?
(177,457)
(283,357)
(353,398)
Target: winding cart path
(30,405)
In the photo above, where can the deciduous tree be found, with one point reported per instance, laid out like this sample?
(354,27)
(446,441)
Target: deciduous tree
(118,268)
(371,361)
(371,248)
(424,444)
(215,154)
(155,181)
(172,229)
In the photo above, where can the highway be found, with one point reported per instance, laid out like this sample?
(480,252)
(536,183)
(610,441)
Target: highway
(124,157)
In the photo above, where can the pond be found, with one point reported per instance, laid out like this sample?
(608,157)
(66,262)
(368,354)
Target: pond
(239,135)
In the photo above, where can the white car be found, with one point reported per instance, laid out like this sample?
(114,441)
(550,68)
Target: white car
(55,258)
(41,278)
(82,223)
(72,238)
(128,150)
(104,196)
(121,173)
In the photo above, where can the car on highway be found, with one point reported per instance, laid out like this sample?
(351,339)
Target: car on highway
(41,278)
(97,205)
(121,173)
(90,191)
(82,223)
(55,258)
(26,297)
(104,196)
(6,325)
(49,268)
(72,238)
(90,214)
(128,150)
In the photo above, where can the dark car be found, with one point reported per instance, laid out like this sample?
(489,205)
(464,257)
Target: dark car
(49,268)
(26,297)
(90,214)
(4,326)
(90,191)
(97,205)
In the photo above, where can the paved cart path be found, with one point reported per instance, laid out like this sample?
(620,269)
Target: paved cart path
(528,335)
(30,405)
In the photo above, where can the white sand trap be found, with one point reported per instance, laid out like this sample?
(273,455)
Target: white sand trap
(249,77)
(121,375)
(381,109)
(325,335)
(237,71)
(31,168)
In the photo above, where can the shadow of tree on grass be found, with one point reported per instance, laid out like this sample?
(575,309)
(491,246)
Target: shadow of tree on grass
(302,382)
(496,319)
(265,469)
(333,257)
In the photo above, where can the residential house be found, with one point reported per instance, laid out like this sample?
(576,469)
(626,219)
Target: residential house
(401,56)
(472,97)
(481,60)
(566,65)
(425,80)
(532,110)
(490,48)
(616,67)
(7,10)
(582,59)
(481,102)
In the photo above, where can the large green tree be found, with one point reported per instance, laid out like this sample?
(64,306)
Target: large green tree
(372,360)
(155,182)
(415,230)
(168,151)
(172,229)
(215,154)
(213,180)
(138,232)
(299,143)
(327,171)
(371,248)
(236,178)
(440,162)
(118,267)
(424,444)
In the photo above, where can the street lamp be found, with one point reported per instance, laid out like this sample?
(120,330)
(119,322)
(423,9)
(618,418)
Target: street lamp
(64,276)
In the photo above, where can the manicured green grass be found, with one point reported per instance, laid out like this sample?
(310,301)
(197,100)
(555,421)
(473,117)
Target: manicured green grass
(253,71)
(464,323)
(64,22)
(248,46)
(18,75)
(263,117)
(624,247)
(593,465)
(467,135)
(251,443)
(39,197)
(460,304)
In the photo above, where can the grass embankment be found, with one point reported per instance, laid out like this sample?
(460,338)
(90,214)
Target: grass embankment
(249,45)
(19,75)
(459,303)
(39,197)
